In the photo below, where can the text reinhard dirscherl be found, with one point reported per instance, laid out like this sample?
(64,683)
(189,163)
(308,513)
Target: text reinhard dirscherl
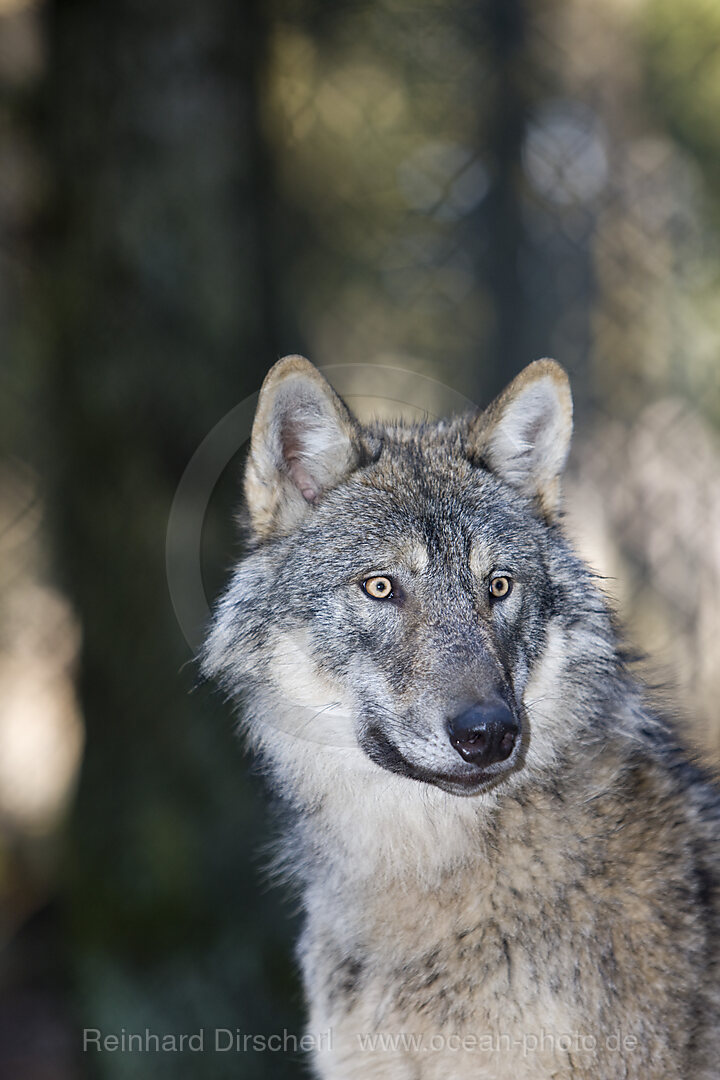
(220,1040)
(225,1040)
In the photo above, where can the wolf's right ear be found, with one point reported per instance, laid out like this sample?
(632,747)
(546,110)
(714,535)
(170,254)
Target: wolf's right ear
(304,441)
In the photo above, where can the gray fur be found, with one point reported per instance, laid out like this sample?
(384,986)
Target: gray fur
(571,893)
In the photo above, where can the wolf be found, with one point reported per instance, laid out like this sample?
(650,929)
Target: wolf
(508,865)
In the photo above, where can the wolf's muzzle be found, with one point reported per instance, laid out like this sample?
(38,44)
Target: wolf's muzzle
(485,733)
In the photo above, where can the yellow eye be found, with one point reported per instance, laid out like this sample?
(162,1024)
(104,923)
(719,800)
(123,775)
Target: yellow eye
(380,588)
(500,587)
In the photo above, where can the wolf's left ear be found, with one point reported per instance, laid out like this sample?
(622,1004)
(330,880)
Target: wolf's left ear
(304,441)
(524,435)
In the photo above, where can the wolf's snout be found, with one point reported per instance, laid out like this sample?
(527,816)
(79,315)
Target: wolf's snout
(484,734)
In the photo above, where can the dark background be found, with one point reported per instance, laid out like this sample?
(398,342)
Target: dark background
(190,189)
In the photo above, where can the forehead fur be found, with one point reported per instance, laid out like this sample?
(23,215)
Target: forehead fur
(306,444)
(448,506)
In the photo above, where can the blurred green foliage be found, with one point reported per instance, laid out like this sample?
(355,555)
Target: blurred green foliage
(683,77)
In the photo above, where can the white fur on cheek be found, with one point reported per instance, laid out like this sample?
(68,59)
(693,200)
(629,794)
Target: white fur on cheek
(382,824)
(550,708)
(310,706)
(544,702)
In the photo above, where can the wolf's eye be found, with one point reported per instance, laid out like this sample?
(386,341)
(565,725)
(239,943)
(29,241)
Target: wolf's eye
(500,587)
(380,588)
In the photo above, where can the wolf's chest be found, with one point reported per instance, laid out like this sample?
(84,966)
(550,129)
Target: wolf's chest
(490,967)
(490,979)
(460,971)
(472,1006)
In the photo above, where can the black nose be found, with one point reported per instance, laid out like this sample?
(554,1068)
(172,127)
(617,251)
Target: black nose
(485,733)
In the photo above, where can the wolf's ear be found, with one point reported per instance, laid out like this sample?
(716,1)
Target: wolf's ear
(524,435)
(304,441)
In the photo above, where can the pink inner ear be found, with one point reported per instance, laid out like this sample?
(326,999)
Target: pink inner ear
(292,453)
(302,479)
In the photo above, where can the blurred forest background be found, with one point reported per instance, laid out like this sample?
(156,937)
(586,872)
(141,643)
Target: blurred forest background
(190,189)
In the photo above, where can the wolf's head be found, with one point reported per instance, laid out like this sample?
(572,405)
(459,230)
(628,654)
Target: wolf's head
(409,605)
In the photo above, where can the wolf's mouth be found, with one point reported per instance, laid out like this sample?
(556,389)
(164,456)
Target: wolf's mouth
(465,780)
